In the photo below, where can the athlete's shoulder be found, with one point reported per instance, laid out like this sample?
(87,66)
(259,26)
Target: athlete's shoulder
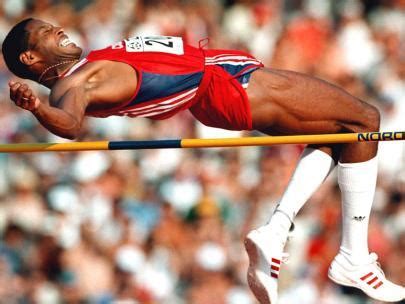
(62,86)
(76,76)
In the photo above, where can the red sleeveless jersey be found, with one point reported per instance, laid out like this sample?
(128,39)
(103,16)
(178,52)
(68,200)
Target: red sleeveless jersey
(172,76)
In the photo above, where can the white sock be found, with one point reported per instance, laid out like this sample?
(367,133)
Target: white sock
(312,169)
(357,182)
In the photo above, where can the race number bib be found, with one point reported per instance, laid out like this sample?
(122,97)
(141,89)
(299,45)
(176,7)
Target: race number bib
(162,44)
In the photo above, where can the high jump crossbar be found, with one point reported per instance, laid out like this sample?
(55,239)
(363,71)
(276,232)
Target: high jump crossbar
(203,142)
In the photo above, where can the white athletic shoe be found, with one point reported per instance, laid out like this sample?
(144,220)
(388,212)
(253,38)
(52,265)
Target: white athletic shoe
(265,258)
(368,277)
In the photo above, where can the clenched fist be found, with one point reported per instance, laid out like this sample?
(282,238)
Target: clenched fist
(23,96)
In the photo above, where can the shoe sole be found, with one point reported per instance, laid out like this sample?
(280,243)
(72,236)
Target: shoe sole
(257,288)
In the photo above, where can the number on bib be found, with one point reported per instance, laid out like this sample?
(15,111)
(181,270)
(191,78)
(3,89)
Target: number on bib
(163,44)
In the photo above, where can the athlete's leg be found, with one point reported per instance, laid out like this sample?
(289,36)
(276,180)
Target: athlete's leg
(301,104)
(285,102)
(265,245)
(305,180)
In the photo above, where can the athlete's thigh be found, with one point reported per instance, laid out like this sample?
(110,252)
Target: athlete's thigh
(290,102)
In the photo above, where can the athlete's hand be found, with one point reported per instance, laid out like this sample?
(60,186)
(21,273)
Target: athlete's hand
(23,96)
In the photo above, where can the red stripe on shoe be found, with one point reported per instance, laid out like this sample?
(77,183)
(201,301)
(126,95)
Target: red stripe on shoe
(366,276)
(276,261)
(378,285)
(372,281)
(273,267)
(274,275)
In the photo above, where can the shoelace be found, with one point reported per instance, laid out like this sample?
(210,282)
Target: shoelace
(373,261)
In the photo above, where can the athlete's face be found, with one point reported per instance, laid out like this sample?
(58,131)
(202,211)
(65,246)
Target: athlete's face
(51,42)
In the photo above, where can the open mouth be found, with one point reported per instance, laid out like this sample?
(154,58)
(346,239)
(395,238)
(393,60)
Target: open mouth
(65,42)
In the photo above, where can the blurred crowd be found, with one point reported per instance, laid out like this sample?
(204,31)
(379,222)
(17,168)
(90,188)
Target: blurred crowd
(167,226)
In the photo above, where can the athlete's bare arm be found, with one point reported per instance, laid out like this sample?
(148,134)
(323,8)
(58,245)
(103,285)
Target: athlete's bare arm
(99,86)
(62,116)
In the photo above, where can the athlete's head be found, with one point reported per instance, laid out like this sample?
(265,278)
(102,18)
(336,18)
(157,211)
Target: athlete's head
(33,45)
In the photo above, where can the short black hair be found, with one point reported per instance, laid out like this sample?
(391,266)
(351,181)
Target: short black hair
(14,44)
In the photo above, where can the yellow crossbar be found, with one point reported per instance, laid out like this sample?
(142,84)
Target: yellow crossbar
(204,143)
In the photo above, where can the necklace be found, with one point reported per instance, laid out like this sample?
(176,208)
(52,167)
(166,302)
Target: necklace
(52,67)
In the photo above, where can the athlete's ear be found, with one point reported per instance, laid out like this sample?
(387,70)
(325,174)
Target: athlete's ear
(29,58)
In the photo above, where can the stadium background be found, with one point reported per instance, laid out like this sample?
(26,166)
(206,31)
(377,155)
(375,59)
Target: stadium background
(167,226)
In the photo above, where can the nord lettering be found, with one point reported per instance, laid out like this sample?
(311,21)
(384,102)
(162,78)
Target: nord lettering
(376,136)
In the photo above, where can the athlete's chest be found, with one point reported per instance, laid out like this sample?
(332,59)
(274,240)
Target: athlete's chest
(155,54)
(106,83)
(167,74)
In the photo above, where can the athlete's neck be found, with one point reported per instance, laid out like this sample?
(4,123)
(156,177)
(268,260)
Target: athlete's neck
(51,74)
